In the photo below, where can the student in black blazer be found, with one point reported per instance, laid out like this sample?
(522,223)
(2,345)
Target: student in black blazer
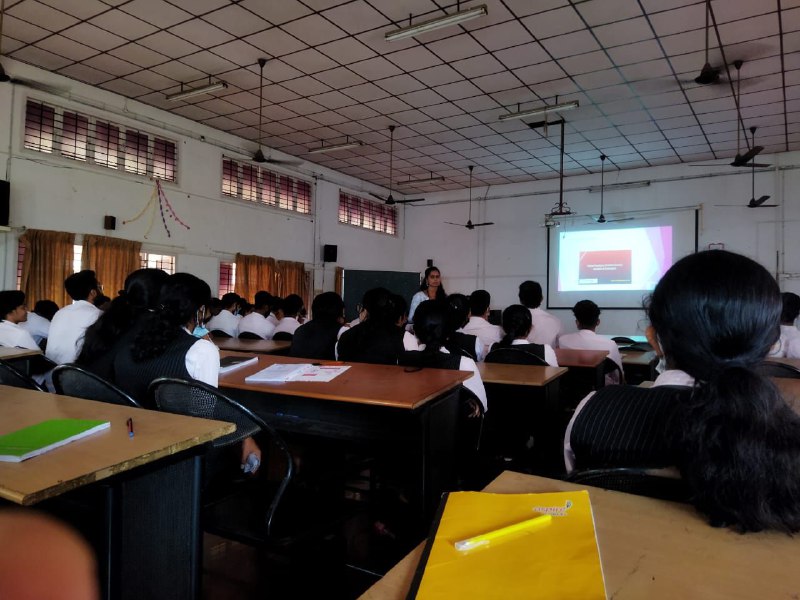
(517,326)
(317,338)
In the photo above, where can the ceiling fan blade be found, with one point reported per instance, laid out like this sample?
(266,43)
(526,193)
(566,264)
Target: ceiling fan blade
(381,198)
(409,201)
(708,75)
(755,203)
(482,224)
(758,165)
(618,220)
(277,161)
(741,160)
(456,224)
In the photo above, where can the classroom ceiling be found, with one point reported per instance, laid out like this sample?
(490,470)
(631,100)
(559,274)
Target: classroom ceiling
(631,65)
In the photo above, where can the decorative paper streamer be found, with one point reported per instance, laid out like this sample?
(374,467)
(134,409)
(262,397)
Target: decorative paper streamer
(158,192)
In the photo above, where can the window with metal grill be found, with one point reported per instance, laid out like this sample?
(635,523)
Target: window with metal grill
(83,137)
(263,186)
(227,277)
(367,214)
(165,262)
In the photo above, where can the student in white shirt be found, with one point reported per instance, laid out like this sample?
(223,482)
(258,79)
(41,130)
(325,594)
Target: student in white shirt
(13,312)
(478,325)
(38,323)
(227,320)
(256,322)
(546,327)
(291,305)
(69,324)
(587,319)
(517,327)
(789,314)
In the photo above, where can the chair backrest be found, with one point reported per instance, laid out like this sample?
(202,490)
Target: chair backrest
(634,481)
(769,368)
(72,380)
(609,366)
(640,347)
(514,356)
(196,399)
(249,335)
(15,378)
(621,339)
(283,336)
(218,333)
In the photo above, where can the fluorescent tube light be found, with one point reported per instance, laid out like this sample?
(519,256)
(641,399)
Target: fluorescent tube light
(542,110)
(437,23)
(631,185)
(206,89)
(335,147)
(431,179)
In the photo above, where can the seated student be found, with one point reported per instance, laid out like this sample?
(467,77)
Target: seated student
(478,323)
(546,327)
(317,338)
(291,307)
(12,313)
(102,302)
(517,328)
(377,338)
(789,314)
(714,316)
(104,337)
(38,322)
(256,322)
(456,317)
(431,331)
(276,313)
(587,318)
(228,318)
(69,324)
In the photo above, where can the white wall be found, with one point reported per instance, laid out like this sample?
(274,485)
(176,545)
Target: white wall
(499,257)
(51,192)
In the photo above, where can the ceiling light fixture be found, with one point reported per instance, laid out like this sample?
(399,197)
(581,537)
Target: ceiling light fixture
(190,93)
(631,185)
(542,110)
(348,144)
(437,23)
(431,179)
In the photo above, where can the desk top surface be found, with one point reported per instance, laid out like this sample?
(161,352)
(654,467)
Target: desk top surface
(257,346)
(795,362)
(568,357)
(97,456)
(7,353)
(532,375)
(362,383)
(655,549)
(638,358)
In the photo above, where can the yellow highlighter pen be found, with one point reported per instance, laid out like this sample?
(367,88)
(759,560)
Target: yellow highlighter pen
(504,533)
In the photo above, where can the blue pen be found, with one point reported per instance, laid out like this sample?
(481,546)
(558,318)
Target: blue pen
(130,428)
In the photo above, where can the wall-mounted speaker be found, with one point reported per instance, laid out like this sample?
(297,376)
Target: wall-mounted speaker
(109,223)
(5,199)
(330,252)
(430,262)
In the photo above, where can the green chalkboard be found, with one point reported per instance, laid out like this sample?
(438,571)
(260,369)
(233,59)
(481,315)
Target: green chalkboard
(356,282)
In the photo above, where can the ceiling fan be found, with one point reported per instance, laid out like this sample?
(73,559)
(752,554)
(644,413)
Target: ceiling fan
(469,224)
(708,74)
(259,155)
(740,160)
(601,218)
(754,202)
(390,199)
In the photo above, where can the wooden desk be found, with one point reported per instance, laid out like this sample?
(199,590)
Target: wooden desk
(794,362)
(531,375)
(253,346)
(7,353)
(412,413)
(585,360)
(638,359)
(655,549)
(137,500)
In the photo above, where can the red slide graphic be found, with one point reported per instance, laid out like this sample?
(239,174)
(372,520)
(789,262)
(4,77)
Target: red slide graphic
(605,266)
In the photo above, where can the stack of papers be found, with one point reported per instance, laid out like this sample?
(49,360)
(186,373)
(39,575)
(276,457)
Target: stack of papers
(298,372)
(231,363)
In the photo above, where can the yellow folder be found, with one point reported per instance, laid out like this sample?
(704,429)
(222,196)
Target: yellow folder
(546,558)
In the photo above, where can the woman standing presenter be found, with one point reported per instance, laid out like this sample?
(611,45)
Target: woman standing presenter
(431,288)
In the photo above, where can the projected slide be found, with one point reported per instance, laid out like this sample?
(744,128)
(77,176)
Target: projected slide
(631,259)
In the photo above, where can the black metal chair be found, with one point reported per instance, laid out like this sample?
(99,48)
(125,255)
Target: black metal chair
(621,339)
(218,333)
(640,347)
(513,356)
(72,380)
(609,366)
(249,335)
(283,336)
(639,481)
(9,375)
(769,368)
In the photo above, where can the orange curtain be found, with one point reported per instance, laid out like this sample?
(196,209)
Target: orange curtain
(46,264)
(292,279)
(338,280)
(255,273)
(112,259)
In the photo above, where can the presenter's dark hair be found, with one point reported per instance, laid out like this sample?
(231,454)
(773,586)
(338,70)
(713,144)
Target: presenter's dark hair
(327,307)
(791,308)
(46,309)
(79,285)
(440,293)
(587,313)
(140,295)
(517,323)
(716,315)
(530,294)
(181,297)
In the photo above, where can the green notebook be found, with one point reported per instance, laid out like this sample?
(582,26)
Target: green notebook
(40,438)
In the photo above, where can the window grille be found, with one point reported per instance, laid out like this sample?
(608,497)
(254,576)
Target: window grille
(227,277)
(367,214)
(262,186)
(165,262)
(84,138)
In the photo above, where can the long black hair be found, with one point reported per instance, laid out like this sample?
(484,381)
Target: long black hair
(430,326)
(517,324)
(423,286)
(180,298)
(716,315)
(140,295)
